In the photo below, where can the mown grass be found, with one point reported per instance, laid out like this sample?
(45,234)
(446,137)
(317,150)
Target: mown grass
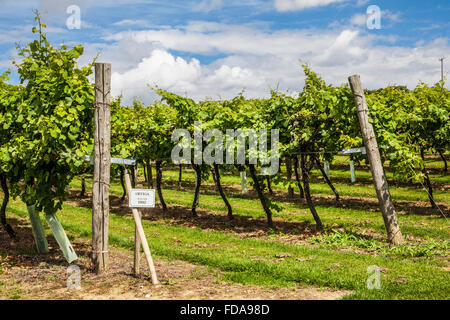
(363,187)
(333,259)
(348,214)
(240,259)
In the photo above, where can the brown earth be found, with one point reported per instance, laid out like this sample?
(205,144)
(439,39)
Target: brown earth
(26,275)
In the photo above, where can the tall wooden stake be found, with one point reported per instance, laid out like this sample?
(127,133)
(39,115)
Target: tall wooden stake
(137,239)
(381,185)
(102,164)
(137,250)
(140,230)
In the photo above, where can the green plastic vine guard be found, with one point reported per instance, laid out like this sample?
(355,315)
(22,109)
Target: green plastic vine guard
(38,230)
(352,171)
(61,238)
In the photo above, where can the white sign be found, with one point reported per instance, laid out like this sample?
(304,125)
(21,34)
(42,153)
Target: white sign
(128,162)
(355,150)
(142,198)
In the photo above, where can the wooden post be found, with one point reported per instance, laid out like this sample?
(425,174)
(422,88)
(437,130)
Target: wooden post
(83,187)
(380,182)
(289,177)
(133,176)
(137,250)
(102,164)
(140,229)
(137,239)
(180,173)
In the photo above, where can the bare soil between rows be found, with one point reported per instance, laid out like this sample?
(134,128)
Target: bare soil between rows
(256,227)
(27,275)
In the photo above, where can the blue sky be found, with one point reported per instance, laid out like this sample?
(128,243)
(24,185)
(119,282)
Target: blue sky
(215,48)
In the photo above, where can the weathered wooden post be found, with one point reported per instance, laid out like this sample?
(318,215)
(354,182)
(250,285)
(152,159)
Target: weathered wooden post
(289,177)
(137,250)
(381,185)
(102,164)
(180,173)
(137,239)
(140,232)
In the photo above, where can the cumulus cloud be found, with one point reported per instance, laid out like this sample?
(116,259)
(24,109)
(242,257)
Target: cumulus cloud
(129,22)
(164,70)
(297,5)
(214,38)
(359,19)
(204,58)
(257,60)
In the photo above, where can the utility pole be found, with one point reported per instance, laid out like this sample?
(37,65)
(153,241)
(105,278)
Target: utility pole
(442,69)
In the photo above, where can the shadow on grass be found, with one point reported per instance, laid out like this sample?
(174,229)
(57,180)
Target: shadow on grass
(320,199)
(207,219)
(210,219)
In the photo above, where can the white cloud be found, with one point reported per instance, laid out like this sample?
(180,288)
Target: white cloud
(360,3)
(258,60)
(391,16)
(214,38)
(297,5)
(164,70)
(129,22)
(251,56)
(160,68)
(208,5)
(359,19)
(387,18)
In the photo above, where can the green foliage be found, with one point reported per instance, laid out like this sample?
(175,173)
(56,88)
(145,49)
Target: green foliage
(253,261)
(406,122)
(153,129)
(50,114)
(431,248)
(349,239)
(123,125)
